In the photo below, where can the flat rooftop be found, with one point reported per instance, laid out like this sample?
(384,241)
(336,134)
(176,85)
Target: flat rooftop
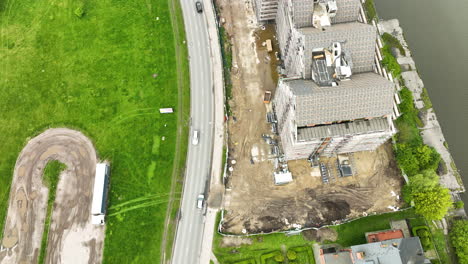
(366,95)
(384,235)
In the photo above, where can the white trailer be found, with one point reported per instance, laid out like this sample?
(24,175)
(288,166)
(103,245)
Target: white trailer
(101,183)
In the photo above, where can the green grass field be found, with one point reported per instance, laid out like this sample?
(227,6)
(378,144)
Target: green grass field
(105,73)
(50,177)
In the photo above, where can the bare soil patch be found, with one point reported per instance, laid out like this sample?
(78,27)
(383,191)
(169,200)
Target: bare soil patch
(72,237)
(235,241)
(253,203)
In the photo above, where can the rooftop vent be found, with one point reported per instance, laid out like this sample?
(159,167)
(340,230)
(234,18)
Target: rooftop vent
(331,65)
(324,10)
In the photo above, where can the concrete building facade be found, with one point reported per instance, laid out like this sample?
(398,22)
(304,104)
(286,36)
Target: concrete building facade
(265,9)
(354,116)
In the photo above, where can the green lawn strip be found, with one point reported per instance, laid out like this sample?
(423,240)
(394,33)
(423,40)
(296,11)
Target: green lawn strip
(261,245)
(353,233)
(50,179)
(177,21)
(106,74)
(440,244)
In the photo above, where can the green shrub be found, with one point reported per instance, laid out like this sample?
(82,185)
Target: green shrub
(292,255)
(442,169)
(279,257)
(406,123)
(415,230)
(393,42)
(426,242)
(423,233)
(426,99)
(370,9)
(390,62)
(80,10)
(414,159)
(458,205)
(226,53)
(459,239)
(424,236)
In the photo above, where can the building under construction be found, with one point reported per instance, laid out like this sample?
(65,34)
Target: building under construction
(266,9)
(331,100)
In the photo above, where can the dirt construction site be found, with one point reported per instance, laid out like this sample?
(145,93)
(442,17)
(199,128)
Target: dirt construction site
(72,238)
(253,202)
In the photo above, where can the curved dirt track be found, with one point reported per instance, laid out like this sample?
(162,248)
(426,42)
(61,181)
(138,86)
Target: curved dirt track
(72,237)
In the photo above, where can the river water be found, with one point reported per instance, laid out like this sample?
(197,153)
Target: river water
(437,35)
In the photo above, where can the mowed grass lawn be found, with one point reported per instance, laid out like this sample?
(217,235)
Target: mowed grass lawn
(105,74)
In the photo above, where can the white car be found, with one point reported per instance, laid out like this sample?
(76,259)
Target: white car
(200,200)
(195,137)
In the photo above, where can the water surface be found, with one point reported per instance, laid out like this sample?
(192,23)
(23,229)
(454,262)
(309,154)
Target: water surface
(437,34)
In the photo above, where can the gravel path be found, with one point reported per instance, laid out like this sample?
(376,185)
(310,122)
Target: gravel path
(72,238)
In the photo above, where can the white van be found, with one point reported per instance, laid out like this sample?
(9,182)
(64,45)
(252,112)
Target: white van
(195,137)
(200,200)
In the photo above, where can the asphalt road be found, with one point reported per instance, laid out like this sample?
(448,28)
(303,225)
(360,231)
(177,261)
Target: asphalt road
(190,228)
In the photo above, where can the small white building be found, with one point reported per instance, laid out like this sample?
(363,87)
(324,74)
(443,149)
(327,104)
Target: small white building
(282,177)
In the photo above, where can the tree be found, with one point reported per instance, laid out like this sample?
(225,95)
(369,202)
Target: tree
(459,238)
(407,160)
(432,203)
(428,157)
(425,180)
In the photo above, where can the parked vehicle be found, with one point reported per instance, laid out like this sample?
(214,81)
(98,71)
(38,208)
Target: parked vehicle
(101,183)
(199,6)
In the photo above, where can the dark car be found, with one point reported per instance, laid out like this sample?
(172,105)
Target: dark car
(198,6)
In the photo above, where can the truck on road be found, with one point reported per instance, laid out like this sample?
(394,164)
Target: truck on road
(101,184)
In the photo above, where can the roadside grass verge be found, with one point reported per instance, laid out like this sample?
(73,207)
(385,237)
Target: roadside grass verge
(105,73)
(226,53)
(183,83)
(50,179)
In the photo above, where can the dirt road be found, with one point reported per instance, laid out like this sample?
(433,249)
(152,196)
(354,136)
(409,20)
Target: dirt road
(72,238)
